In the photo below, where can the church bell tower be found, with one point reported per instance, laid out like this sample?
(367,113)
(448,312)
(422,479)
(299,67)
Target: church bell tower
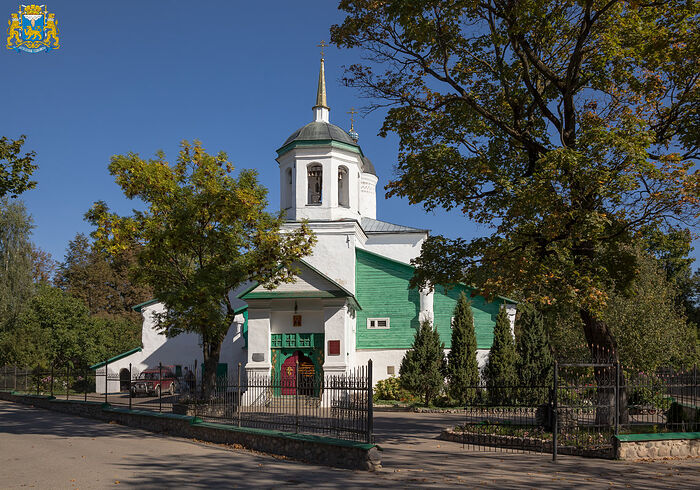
(324,176)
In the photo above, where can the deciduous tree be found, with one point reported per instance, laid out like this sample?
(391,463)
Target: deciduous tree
(203,233)
(569,128)
(15,169)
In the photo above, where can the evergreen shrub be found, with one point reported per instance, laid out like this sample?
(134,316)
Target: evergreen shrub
(422,369)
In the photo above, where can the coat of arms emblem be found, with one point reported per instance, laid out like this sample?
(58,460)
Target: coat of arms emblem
(32,29)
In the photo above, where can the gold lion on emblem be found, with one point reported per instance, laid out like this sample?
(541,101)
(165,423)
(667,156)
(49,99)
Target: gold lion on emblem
(51,31)
(13,31)
(32,33)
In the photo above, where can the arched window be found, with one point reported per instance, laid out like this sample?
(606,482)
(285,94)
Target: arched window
(343,187)
(289,198)
(315,177)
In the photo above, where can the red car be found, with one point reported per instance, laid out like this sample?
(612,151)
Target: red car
(153,381)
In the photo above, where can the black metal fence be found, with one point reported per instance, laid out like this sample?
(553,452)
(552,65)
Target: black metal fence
(581,410)
(338,405)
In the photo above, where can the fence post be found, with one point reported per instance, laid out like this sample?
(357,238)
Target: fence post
(38,376)
(238,402)
(86,381)
(106,381)
(52,379)
(15,384)
(130,378)
(67,381)
(370,403)
(555,413)
(296,399)
(160,387)
(617,397)
(194,391)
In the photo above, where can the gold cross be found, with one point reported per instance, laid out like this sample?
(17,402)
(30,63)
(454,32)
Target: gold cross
(322,45)
(352,113)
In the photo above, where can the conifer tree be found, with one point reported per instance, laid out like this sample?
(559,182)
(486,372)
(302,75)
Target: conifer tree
(462,366)
(535,359)
(423,367)
(501,375)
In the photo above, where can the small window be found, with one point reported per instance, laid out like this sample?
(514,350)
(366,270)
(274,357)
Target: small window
(390,370)
(315,179)
(343,187)
(378,323)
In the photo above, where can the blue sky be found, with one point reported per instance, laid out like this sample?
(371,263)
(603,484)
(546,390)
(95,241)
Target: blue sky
(143,75)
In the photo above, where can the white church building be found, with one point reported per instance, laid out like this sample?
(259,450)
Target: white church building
(351,301)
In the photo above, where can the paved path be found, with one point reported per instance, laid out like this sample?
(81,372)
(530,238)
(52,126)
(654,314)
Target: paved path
(44,449)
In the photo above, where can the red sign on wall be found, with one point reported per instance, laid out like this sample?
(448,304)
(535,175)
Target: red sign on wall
(296,320)
(334,347)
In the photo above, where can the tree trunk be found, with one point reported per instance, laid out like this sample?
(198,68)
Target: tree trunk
(603,349)
(211,352)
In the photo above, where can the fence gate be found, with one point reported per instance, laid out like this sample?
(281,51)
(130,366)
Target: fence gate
(507,418)
(586,408)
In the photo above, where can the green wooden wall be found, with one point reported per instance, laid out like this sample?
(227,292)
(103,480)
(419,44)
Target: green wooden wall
(484,314)
(382,291)
(381,288)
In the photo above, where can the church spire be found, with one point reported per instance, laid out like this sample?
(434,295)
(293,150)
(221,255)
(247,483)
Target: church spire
(321,109)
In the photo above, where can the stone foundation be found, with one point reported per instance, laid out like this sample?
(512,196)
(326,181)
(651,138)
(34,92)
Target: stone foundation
(658,446)
(303,447)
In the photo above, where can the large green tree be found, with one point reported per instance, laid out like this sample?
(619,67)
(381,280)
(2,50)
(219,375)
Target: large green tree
(16,252)
(568,127)
(462,366)
(104,282)
(15,169)
(203,233)
(535,360)
(422,368)
(500,371)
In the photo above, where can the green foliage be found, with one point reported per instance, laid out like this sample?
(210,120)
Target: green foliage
(203,233)
(104,282)
(535,360)
(15,259)
(15,169)
(462,366)
(54,330)
(423,367)
(390,389)
(500,372)
(570,128)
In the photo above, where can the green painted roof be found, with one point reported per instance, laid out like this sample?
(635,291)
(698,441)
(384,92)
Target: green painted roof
(116,358)
(140,306)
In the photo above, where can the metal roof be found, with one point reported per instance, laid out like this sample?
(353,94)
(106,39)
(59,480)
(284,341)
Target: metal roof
(318,130)
(370,225)
(367,166)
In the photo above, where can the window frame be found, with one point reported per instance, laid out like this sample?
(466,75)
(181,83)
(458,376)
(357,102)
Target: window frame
(377,320)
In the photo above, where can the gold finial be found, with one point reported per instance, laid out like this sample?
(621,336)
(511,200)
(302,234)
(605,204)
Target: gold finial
(322,45)
(352,113)
(321,92)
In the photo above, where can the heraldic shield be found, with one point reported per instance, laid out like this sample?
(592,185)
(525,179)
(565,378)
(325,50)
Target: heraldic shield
(32,29)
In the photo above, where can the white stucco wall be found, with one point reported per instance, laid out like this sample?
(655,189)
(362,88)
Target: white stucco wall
(183,350)
(382,359)
(398,246)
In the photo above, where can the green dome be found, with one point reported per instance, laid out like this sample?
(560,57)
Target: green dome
(319,131)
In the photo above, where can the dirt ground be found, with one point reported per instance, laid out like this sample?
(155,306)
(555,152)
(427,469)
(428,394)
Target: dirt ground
(43,449)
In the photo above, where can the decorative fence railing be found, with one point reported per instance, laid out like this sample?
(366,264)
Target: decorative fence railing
(580,411)
(338,405)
